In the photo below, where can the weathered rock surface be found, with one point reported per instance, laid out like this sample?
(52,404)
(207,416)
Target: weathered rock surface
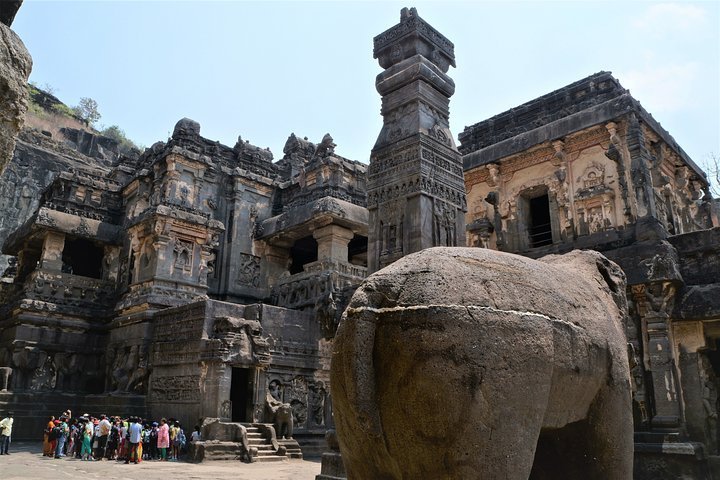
(470,363)
(8,9)
(15,66)
(36,161)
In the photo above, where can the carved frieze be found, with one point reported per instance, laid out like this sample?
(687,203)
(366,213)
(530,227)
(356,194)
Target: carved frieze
(176,388)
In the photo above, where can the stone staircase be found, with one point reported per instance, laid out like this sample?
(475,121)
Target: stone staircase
(265,450)
(677,457)
(292,448)
(223,444)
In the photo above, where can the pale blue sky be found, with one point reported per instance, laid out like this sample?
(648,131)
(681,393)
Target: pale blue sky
(265,69)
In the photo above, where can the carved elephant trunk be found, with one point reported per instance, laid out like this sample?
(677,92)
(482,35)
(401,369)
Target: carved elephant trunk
(461,363)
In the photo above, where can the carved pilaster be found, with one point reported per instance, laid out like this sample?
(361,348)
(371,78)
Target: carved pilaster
(52,251)
(640,161)
(615,153)
(659,301)
(333,242)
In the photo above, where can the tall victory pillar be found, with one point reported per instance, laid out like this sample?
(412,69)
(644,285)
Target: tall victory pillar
(416,192)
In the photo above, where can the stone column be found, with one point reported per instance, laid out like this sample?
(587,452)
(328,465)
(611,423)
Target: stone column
(5,373)
(52,251)
(640,171)
(333,243)
(661,364)
(416,190)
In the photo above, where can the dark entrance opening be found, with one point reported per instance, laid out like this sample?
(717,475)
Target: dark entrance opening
(239,390)
(82,257)
(303,251)
(540,229)
(357,250)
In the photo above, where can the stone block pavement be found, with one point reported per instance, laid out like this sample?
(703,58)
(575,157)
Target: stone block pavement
(26,461)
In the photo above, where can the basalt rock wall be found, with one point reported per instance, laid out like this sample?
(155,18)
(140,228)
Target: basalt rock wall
(15,66)
(38,158)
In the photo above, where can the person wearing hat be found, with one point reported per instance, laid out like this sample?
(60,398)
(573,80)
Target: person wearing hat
(5,433)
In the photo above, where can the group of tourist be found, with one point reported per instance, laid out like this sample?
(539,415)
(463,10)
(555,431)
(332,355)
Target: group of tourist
(129,439)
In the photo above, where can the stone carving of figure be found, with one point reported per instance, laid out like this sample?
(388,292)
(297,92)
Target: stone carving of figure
(28,361)
(326,309)
(326,146)
(280,414)
(711,402)
(137,383)
(125,366)
(596,222)
(226,409)
(5,373)
(68,367)
(317,403)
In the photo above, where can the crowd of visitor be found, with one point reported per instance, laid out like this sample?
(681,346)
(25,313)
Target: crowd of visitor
(129,439)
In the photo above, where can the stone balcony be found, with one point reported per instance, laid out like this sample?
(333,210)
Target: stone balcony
(315,282)
(53,291)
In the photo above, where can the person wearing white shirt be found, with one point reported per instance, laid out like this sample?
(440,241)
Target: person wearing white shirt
(5,433)
(135,434)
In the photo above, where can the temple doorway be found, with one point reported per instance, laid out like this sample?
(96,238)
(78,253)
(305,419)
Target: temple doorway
(240,392)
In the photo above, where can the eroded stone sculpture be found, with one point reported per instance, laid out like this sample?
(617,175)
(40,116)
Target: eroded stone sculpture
(281,415)
(462,363)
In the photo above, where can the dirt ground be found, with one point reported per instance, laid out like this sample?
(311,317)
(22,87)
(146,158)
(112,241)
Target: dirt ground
(26,461)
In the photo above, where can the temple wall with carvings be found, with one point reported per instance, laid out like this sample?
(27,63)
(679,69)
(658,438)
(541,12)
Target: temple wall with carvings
(599,173)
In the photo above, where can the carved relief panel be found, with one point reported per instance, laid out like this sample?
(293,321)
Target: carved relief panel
(595,199)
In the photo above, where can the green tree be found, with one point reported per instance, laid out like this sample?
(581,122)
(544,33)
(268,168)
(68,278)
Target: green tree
(125,145)
(87,109)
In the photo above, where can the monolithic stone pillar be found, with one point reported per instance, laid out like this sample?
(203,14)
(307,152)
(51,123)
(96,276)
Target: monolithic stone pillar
(416,192)
(52,251)
(660,299)
(5,373)
(333,243)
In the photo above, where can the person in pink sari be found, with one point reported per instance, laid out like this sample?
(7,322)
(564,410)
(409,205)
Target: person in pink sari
(163,439)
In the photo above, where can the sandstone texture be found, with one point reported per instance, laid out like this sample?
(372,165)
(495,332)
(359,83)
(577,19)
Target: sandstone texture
(460,363)
(15,66)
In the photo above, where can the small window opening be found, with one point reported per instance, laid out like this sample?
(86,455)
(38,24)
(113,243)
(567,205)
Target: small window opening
(302,252)
(82,257)
(540,228)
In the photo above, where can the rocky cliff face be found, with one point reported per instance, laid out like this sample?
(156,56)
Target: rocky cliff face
(15,66)
(40,155)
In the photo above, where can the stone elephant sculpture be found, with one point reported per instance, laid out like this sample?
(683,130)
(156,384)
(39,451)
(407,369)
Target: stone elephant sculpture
(280,415)
(467,363)
(69,370)
(30,368)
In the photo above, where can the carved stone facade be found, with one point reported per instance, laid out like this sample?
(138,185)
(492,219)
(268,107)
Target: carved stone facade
(587,167)
(185,281)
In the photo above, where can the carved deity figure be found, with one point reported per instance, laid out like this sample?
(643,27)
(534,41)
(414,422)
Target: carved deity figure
(711,402)
(137,383)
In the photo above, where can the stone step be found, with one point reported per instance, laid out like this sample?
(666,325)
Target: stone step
(657,437)
(276,458)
